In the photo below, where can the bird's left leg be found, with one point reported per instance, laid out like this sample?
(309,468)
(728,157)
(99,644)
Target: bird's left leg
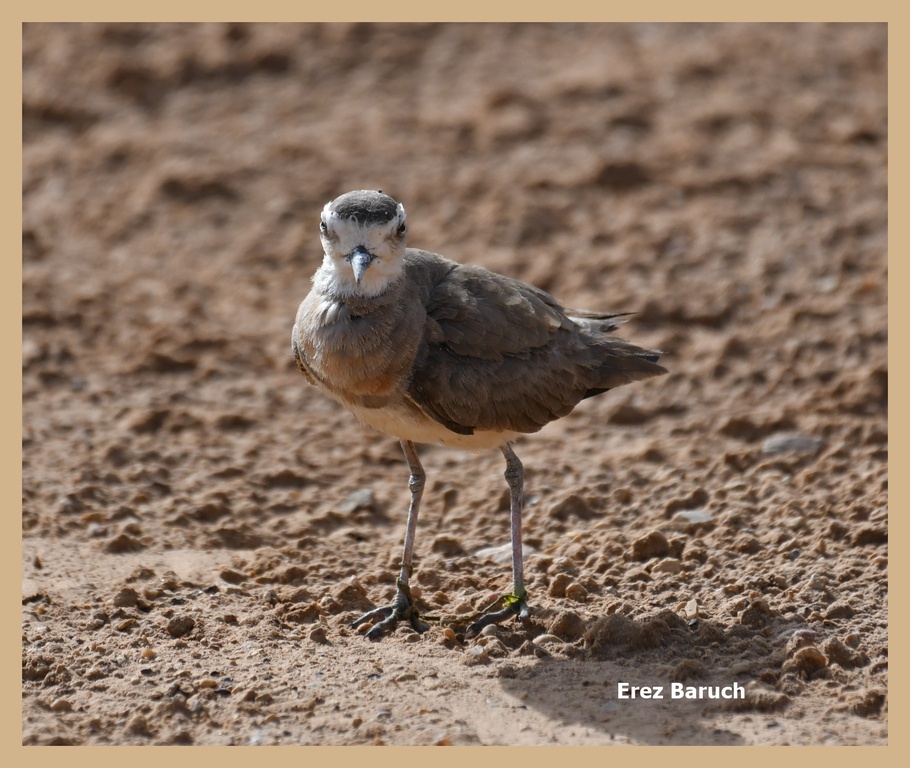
(516,603)
(403,606)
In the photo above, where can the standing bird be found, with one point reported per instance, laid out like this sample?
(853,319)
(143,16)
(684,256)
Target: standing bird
(431,351)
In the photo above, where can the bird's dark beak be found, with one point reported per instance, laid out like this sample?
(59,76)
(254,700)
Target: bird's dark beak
(360,259)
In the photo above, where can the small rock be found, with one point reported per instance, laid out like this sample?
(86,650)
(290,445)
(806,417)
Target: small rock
(138,726)
(840,610)
(559,585)
(691,609)
(799,638)
(180,626)
(576,592)
(148,654)
(568,626)
(61,705)
(806,661)
(495,648)
(448,546)
(757,615)
(746,544)
(817,581)
(126,598)
(653,544)
(491,630)
(232,577)
(871,536)
(476,654)
(318,635)
(123,543)
(352,597)
(545,640)
(572,505)
(669,565)
(762,700)
(839,653)
(783,442)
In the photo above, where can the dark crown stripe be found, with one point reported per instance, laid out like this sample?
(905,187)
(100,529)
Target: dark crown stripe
(366,206)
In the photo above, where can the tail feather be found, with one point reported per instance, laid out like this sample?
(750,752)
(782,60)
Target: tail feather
(623,364)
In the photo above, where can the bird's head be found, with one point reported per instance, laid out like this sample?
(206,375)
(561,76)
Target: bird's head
(363,235)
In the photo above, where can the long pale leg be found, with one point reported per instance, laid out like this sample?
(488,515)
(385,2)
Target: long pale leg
(517,602)
(403,606)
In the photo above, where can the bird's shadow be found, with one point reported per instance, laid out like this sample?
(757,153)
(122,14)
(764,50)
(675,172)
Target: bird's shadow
(578,684)
(584,693)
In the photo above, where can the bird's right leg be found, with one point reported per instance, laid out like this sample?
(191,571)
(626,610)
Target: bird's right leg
(516,603)
(403,606)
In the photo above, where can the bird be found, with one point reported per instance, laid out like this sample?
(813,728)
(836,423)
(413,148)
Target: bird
(428,350)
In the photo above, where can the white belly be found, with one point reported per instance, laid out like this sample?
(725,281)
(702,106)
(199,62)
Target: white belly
(404,424)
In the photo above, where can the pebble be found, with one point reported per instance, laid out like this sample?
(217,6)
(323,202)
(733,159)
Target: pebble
(449,634)
(670,565)
(494,648)
(138,725)
(806,661)
(489,631)
(126,598)
(548,639)
(838,652)
(840,610)
(691,609)
(693,517)
(792,441)
(476,654)
(653,544)
(61,705)
(318,635)
(231,576)
(568,625)
(180,626)
(576,592)
(148,654)
(817,581)
(559,584)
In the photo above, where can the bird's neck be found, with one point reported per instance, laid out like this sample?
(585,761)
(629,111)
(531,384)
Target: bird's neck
(336,280)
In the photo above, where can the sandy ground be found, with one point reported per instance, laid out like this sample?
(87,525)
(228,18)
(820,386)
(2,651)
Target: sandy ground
(200,526)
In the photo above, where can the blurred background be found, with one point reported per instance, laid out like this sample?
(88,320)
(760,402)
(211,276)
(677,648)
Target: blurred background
(726,183)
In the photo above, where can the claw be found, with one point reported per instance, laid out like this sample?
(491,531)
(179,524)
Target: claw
(515,605)
(402,608)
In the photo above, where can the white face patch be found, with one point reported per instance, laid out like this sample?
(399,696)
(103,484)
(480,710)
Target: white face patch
(341,236)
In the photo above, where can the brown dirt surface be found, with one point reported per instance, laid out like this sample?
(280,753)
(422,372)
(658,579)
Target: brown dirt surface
(200,526)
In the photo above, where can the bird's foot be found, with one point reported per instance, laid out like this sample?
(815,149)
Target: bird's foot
(402,608)
(514,604)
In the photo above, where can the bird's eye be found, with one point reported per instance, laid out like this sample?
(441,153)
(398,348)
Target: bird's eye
(322,227)
(402,228)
